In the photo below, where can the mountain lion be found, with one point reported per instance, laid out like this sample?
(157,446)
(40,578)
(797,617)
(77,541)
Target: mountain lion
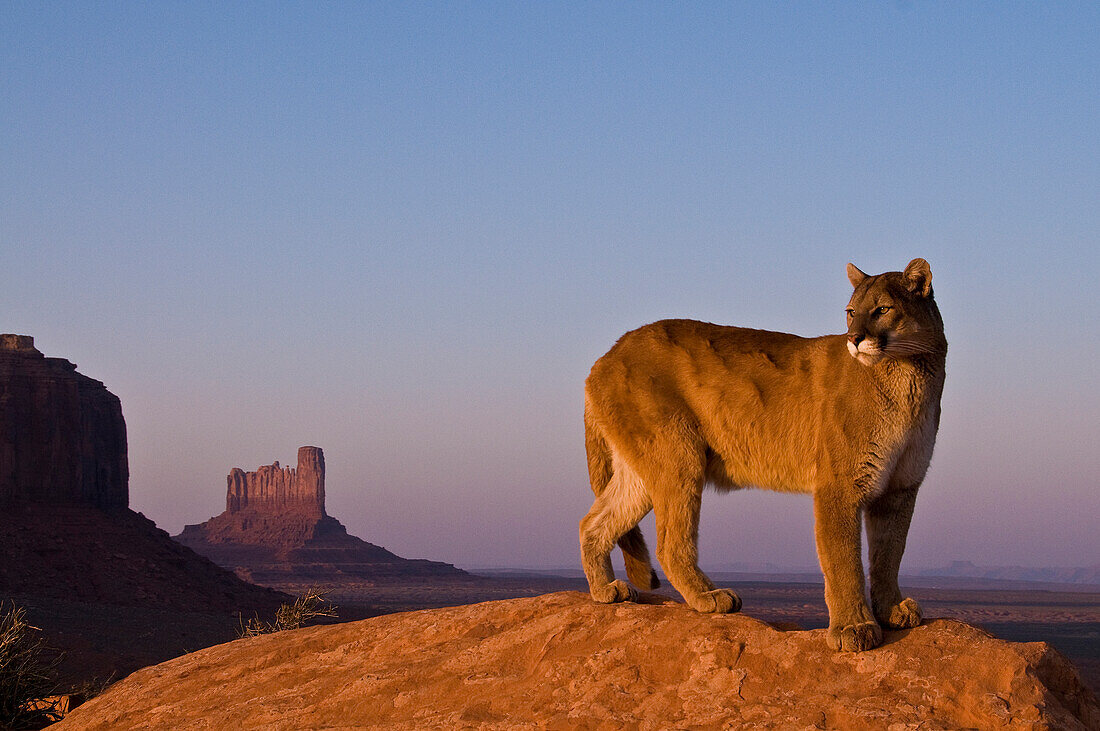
(851,420)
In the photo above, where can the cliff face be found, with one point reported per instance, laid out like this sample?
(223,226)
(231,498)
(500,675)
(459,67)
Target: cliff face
(280,490)
(72,552)
(562,661)
(275,532)
(62,436)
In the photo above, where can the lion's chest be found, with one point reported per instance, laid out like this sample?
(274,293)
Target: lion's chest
(916,452)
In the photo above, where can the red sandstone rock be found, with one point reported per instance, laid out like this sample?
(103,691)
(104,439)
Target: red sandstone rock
(275,532)
(561,661)
(62,436)
(280,490)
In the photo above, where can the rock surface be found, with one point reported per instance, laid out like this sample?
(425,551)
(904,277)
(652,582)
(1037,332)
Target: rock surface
(560,661)
(62,436)
(275,532)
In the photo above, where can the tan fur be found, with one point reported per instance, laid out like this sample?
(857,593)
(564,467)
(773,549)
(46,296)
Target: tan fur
(850,419)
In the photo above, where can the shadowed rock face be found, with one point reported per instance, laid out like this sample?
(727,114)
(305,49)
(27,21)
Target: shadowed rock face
(66,527)
(70,549)
(76,553)
(67,530)
(275,532)
(62,436)
(562,661)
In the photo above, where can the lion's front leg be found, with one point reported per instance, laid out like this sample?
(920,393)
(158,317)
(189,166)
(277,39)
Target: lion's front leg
(852,627)
(888,519)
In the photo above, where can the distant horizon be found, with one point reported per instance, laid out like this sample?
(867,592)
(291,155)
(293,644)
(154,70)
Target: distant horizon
(764,568)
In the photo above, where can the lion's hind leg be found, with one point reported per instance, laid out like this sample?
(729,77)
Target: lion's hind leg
(613,516)
(677,504)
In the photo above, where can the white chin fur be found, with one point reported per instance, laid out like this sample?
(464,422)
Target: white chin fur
(865,353)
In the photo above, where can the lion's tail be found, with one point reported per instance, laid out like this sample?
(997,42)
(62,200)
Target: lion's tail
(639,569)
(636,556)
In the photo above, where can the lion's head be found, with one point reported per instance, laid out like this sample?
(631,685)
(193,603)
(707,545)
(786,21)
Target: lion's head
(893,315)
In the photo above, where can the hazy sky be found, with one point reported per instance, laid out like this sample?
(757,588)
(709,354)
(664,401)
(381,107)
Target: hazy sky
(403,232)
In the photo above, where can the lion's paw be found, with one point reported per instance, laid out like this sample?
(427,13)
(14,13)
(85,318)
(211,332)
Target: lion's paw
(903,615)
(616,591)
(719,601)
(855,637)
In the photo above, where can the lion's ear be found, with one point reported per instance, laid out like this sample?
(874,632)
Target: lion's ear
(918,277)
(855,276)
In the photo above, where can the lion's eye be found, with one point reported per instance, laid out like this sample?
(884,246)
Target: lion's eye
(882,310)
(850,312)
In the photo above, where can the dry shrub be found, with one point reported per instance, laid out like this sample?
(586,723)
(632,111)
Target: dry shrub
(28,680)
(307,606)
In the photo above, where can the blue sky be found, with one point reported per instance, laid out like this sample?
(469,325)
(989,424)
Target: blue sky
(404,231)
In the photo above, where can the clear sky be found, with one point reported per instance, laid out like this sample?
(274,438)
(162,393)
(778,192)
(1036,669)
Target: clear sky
(403,232)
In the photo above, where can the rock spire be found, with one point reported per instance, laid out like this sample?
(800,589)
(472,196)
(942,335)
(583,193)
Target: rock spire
(274,489)
(275,532)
